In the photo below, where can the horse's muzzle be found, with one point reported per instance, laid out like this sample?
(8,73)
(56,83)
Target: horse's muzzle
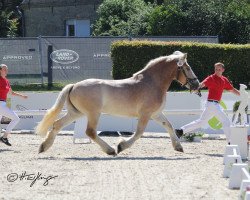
(194,84)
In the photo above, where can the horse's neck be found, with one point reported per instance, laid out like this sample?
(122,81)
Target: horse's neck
(162,75)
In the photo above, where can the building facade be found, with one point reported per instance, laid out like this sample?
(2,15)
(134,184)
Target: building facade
(58,17)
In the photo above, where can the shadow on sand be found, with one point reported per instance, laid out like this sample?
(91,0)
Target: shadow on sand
(125,158)
(214,155)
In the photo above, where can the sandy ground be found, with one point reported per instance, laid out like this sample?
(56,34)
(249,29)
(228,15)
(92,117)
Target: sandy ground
(150,169)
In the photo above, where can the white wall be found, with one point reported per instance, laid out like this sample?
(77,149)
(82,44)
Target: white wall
(174,101)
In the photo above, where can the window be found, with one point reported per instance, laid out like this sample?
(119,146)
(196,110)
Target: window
(79,28)
(71,30)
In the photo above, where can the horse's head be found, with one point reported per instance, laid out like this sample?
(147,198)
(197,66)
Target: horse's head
(185,75)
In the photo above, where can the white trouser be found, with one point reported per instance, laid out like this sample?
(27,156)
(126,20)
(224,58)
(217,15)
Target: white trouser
(211,109)
(7,112)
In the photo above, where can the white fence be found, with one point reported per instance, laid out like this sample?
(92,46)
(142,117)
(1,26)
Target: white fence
(181,108)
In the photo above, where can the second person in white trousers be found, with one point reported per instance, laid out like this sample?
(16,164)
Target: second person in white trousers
(216,84)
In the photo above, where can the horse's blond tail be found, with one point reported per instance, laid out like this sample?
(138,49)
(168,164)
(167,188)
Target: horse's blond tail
(51,115)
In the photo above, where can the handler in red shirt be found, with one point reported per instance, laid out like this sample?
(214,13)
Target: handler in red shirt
(5,88)
(215,83)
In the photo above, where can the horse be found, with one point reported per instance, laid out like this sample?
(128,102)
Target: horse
(143,96)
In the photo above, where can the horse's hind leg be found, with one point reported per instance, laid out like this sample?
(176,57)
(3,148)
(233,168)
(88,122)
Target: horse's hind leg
(142,123)
(57,126)
(162,120)
(91,132)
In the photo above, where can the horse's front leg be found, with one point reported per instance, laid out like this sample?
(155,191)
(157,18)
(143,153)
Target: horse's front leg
(163,121)
(142,123)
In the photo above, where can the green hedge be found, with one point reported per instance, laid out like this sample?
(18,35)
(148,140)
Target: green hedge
(130,56)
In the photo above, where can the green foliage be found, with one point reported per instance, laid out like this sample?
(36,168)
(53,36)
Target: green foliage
(8,5)
(38,87)
(190,137)
(201,57)
(236,106)
(122,18)
(8,25)
(236,22)
(228,19)
(163,19)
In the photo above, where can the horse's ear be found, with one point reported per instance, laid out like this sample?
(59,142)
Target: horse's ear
(183,56)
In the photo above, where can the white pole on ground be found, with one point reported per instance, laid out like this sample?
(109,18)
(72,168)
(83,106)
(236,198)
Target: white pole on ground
(80,130)
(239,137)
(247,195)
(236,175)
(245,184)
(229,151)
(229,161)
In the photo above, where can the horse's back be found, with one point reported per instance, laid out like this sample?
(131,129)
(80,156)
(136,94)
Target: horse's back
(103,96)
(125,97)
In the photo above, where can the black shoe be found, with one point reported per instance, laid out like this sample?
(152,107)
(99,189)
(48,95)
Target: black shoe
(5,141)
(179,132)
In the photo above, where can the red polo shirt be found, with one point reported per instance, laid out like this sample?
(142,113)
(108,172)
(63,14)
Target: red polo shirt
(216,85)
(4,88)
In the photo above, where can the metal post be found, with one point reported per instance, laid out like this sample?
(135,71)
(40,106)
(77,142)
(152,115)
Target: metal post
(22,19)
(41,58)
(50,66)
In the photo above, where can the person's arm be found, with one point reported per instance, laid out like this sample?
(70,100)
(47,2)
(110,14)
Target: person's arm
(18,94)
(205,83)
(202,85)
(235,91)
(229,87)
(198,91)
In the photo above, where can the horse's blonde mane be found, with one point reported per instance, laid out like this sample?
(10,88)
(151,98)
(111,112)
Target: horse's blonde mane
(169,58)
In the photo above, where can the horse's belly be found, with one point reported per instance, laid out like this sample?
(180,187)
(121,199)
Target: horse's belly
(119,110)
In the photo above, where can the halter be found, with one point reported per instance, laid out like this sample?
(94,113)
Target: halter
(189,81)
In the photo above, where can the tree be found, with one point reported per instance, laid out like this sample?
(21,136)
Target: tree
(9,23)
(236,22)
(165,20)
(229,19)
(122,18)
(158,2)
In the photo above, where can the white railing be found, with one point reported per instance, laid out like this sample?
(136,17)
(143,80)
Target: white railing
(34,112)
(114,123)
(167,112)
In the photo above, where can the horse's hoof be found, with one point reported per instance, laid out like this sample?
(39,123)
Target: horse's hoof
(121,146)
(41,149)
(179,148)
(112,153)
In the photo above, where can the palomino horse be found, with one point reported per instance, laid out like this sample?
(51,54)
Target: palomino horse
(142,95)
